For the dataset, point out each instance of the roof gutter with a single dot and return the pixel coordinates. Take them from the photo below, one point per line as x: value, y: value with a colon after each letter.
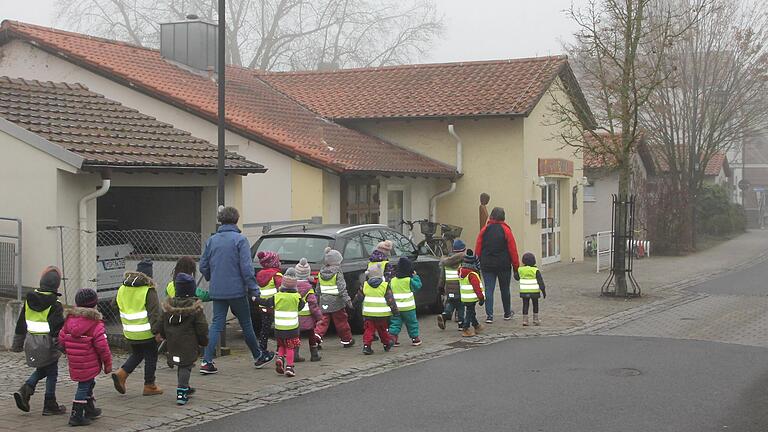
x: 459, y: 171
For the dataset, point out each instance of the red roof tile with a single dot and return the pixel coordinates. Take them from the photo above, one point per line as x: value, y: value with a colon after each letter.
x: 717, y: 162
x: 254, y: 108
x: 104, y: 132
x: 490, y: 88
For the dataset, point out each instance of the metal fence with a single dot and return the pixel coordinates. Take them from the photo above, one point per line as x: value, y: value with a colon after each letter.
x: 10, y: 257
x: 99, y: 260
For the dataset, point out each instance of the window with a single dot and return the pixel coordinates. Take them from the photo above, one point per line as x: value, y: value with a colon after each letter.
x: 353, y: 249
x: 370, y: 240
x: 401, y: 245
x: 360, y: 204
x: 293, y: 249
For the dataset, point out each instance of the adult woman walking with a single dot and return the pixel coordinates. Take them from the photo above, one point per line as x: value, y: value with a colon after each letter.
x: 226, y: 262
x: 497, y: 251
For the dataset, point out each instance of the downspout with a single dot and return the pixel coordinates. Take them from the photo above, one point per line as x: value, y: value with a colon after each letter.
x: 82, y: 212
x: 459, y: 168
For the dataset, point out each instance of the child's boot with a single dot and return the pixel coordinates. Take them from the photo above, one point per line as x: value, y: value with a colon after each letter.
x: 479, y: 328
x: 314, y: 354
x: 525, y: 320
x: 90, y: 409
x: 367, y: 350
x: 280, y: 365
x: 152, y: 390
x: 468, y: 332
x: 22, y: 397
x: 182, y: 396
x: 536, y: 321
x: 51, y: 407
x: 395, y: 341
x: 388, y: 346
x: 118, y: 379
x: 441, y: 322
x: 296, y: 357
x: 78, y: 418
x: 290, y: 372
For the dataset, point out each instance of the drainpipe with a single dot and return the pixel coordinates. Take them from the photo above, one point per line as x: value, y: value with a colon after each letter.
x: 83, y: 225
x: 459, y: 168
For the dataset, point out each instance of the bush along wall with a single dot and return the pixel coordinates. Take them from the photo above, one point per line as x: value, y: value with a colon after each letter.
x: 716, y: 215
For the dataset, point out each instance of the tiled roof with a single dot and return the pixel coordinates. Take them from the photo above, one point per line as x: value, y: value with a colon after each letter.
x: 104, y: 132
x: 596, y: 151
x: 254, y: 108
x: 717, y: 162
x: 490, y: 88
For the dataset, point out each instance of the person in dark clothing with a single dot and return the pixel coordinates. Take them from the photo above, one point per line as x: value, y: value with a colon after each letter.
x: 37, y: 333
x: 185, y: 330
x: 497, y: 251
x: 531, y: 287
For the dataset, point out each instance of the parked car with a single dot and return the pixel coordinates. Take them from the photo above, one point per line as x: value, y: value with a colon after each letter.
x: 355, y: 242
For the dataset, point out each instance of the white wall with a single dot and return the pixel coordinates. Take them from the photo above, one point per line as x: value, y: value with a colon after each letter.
x: 265, y: 196
x: 597, y: 214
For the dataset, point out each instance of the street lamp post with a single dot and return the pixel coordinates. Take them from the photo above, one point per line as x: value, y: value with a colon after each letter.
x: 221, y: 60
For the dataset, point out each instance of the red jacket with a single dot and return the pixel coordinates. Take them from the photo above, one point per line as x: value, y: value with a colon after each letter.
x: 262, y: 279
x: 84, y: 341
x: 495, y: 259
x: 474, y: 279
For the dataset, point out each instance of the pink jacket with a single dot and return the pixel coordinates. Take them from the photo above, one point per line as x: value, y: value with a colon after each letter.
x: 308, y: 322
x: 84, y: 341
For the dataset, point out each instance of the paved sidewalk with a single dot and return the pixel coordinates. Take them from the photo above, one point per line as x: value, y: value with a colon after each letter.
x: 573, y: 305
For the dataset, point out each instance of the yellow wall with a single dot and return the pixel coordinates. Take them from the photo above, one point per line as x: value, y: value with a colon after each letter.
x: 492, y: 164
x: 500, y: 158
x: 306, y: 191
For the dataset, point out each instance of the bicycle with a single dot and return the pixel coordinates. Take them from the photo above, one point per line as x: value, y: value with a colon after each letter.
x: 440, y: 246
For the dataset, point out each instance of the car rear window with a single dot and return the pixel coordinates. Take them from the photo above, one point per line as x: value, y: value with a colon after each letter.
x: 292, y: 249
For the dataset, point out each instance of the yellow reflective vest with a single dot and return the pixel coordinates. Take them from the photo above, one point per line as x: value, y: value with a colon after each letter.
x: 528, y: 282
x: 375, y: 301
x: 401, y: 290
x: 287, y: 310
x: 132, y: 302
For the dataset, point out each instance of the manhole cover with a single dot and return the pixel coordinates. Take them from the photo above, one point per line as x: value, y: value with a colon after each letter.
x: 462, y: 344
x: 624, y: 372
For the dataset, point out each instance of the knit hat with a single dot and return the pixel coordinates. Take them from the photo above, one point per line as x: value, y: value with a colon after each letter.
x: 470, y: 259
x: 289, y: 278
x: 268, y: 259
x: 86, y: 297
x: 529, y: 259
x: 145, y: 266
x: 303, y: 270
x: 332, y: 257
x: 185, y: 285
x: 459, y: 246
x: 385, y: 246
x: 404, y: 268
x: 375, y: 271
x: 50, y: 280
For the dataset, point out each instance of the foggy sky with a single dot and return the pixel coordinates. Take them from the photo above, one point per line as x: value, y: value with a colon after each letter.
x: 474, y: 29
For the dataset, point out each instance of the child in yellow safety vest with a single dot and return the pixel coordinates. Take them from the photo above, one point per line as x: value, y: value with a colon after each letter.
x: 405, y: 283
x: 142, y: 320
x: 531, y: 287
x: 286, y: 304
x: 187, y: 265
x: 472, y: 293
x: 269, y: 279
x: 381, y: 256
x: 378, y: 304
x: 37, y: 332
x: 311, y: 314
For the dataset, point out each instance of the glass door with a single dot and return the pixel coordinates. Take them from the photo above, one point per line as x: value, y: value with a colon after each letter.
x: 550, y: 223
x: 395, y: 209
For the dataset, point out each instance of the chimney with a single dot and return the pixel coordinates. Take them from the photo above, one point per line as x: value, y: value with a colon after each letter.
x: 192, y: 42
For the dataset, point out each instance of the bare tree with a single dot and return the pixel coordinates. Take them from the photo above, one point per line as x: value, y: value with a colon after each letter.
x: 714, y: 99
x: 619, y: 57
x: 277, y: 34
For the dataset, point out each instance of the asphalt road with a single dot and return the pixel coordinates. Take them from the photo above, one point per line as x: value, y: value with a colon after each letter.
x: 572, y: 383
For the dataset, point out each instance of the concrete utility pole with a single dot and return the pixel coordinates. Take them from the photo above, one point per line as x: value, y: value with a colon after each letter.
x: 222, y: 120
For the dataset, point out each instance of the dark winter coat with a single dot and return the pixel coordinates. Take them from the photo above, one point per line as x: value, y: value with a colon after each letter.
x: 41, y: 350
x: 154, y: 312
x: 496, y: 247
x: 226, y: 262
x: 330, y: 303
x: 185, y: 330
x: 84, y: 340
x: 454, y: 260
x: 307, y: 323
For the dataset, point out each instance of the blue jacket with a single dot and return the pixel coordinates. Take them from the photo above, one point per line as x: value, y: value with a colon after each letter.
x: 226, y: 263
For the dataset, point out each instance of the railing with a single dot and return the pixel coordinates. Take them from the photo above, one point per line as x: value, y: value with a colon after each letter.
x: 11, y: 260
x: 603, y: 248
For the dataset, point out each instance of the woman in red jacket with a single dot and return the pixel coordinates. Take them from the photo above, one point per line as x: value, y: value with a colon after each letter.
x: 497, y: 251
x: 84, y: 341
